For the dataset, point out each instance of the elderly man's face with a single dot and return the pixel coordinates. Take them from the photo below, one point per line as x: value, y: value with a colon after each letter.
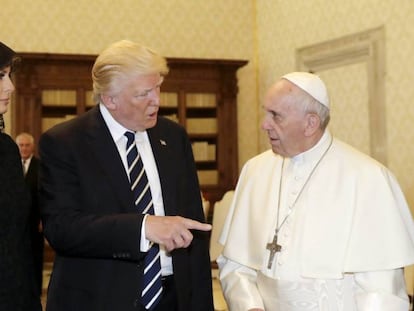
x: 136, y: 105
x: 26, y: 146
x: 285, y: 122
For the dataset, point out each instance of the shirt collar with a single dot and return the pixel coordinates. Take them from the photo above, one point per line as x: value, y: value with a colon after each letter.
x: 115, y: 128
x: 315, y: 152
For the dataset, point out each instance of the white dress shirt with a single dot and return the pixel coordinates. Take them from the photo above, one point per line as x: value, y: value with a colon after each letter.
x: 26, y: 164
x: 144, y: 147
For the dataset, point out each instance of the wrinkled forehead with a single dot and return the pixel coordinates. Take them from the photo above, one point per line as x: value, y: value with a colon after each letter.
x: 281, y: 92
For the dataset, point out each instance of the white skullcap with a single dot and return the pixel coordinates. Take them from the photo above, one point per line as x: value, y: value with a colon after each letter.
x: 311, y: 84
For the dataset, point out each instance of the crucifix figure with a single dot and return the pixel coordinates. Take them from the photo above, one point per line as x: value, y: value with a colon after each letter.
x: 273, y: 248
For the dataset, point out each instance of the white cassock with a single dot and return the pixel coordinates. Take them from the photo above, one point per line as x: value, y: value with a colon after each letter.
x: 344, y: 242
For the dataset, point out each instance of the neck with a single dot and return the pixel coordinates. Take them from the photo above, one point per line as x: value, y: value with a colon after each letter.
x: 310, y: 142
x: 314, y: 139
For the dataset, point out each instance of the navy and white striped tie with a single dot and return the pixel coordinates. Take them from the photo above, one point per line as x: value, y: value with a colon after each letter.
x: 151, y: 284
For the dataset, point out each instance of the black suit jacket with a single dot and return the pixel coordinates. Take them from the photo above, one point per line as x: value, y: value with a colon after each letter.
x: 90, y: 220
x: 17, y: 289
x: 31, y: 178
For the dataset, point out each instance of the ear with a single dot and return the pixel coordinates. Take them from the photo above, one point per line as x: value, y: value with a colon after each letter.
x: 313, y: 123
x: 109, y: 102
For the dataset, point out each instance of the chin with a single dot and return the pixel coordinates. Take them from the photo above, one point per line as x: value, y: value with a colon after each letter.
x: 277, y: 150
x: 151, y: 123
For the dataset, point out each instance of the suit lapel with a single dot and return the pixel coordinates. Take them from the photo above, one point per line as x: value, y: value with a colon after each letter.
x: 106, y: 153
x: 161, y: 149
x: 107, y: 156
x: 31, y: 170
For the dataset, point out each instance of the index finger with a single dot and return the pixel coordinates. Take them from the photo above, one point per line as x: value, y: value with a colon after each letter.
x: 196, y: 225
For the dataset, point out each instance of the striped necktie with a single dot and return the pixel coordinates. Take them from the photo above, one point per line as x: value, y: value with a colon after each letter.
x: 151, y: 284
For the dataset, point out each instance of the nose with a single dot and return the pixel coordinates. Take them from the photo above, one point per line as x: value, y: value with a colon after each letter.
x: 155, y: 97
x: 267, y: 123
x: 8, y: 85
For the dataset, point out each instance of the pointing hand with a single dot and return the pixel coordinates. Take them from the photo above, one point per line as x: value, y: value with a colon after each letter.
x: 172, y: 231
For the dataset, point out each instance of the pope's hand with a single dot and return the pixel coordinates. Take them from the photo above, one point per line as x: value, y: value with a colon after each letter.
x: 172, y: 231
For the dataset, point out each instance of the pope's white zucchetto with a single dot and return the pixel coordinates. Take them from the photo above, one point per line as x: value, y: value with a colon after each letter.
x: 311, y: 84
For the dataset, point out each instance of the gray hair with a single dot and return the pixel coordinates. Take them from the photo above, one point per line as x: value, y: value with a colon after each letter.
x: 311, y: 105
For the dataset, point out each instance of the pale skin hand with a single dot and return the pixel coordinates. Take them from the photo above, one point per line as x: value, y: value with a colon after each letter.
x: 172, y: 231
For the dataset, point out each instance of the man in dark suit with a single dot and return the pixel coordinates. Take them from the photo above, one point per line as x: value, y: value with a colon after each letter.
x: 30, y: 163
x: 89, y: 209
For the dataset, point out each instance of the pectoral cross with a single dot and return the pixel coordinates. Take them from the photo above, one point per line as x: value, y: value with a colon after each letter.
x: 273, y: 248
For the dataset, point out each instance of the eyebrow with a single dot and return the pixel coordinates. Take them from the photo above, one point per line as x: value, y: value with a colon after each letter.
x: 6, y: 70
x: 149, y: 89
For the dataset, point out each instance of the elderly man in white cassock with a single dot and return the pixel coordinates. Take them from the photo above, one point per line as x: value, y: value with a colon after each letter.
x: 314, y: 224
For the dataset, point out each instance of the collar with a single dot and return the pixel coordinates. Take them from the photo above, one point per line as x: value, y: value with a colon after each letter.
x: 313, y: 154
x: 116, y: 129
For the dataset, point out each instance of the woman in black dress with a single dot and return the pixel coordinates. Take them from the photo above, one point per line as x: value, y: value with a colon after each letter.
x: 17, y: 286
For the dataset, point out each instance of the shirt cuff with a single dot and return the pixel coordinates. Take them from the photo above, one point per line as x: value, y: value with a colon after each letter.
x: 145, y: 244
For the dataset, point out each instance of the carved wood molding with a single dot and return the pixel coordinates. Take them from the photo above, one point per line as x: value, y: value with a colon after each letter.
x: 366, y: 47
